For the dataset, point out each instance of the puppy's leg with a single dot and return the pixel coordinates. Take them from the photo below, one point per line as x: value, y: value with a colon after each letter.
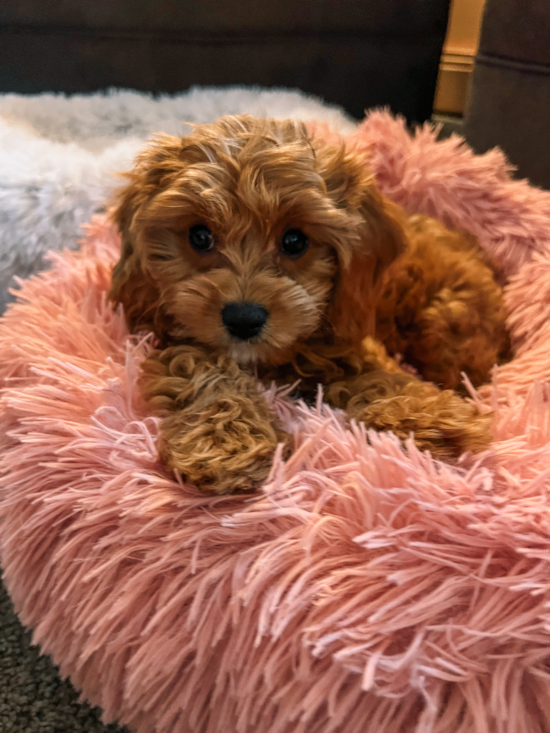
x: 217, y: 429
x: 388, y: 399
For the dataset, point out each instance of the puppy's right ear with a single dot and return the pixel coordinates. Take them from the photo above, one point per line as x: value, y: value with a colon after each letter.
x: 131, y: 283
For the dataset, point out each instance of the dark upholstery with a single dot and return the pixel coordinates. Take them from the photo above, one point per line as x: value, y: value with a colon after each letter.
x: 510, y: 102
x: 357, y: 53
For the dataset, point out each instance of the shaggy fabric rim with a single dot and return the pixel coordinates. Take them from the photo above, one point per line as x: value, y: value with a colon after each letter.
x: 364, y: 588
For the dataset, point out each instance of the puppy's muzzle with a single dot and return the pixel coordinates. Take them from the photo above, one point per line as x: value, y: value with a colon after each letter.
x: 244, y: 320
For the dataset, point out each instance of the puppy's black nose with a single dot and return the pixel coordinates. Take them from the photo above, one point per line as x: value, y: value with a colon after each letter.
x: 244, y: 320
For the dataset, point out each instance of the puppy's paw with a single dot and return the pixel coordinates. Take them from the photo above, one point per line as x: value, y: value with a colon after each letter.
x: 441, y: 422
x: 224, y: 449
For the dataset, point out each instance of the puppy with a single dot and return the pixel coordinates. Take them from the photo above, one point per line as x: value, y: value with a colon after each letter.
x: 255, y: 251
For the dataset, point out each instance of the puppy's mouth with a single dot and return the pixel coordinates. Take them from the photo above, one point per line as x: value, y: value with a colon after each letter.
x: 253, y: 321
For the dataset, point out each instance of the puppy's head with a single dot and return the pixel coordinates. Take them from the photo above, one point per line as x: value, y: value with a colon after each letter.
x: 249, y: 236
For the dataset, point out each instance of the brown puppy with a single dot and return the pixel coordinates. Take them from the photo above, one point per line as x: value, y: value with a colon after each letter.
x: 254, y: 250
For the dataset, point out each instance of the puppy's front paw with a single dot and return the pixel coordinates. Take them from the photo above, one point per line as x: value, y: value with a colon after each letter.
x: 441, y: 422
x: 224, y: 449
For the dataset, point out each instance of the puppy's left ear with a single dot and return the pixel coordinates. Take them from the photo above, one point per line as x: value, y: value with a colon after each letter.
x: 132, y: 285
x: 376, y: 237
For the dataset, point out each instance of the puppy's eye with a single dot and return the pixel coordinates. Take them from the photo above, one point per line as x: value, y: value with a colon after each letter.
x: 200, y: 238
x: 294, y: 243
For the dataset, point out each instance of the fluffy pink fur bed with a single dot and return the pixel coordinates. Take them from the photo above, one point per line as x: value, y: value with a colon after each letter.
x: 363, y: 590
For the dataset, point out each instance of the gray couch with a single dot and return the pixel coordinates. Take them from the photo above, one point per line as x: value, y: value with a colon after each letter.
x: 356, y: 53
x: 510, y: 102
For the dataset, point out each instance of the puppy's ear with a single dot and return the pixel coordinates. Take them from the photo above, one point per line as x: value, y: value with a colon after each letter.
x: 375, y: 239
x: 131, y: 283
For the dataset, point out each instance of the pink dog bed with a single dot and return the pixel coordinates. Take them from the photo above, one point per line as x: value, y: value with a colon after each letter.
x: 365, y: 589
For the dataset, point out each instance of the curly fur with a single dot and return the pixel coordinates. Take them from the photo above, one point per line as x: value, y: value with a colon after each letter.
x: 422, y: 291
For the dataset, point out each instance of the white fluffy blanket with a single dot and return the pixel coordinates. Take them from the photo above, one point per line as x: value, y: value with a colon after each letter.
x: 58, y: 155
